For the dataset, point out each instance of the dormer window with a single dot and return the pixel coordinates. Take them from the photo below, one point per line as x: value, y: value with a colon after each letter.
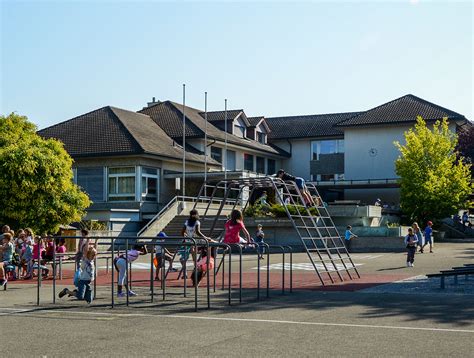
x: 240, y: 131
x: 262, y: 137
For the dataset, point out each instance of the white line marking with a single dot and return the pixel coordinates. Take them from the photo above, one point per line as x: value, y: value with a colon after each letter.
x: 256, y: 320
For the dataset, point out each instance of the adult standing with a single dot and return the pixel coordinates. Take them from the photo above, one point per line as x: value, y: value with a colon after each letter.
x: 429, y: 236
x: 465, y: 219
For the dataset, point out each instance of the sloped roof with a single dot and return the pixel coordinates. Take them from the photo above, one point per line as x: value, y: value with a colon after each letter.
x: 115, y: 131
x: 172, y: 124
x: 314, y: 125
x: 255, y: 121
x: 401, y: 110
x: 220, y: 115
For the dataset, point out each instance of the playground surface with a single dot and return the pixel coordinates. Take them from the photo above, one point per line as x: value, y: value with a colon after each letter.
x: 391, y: 311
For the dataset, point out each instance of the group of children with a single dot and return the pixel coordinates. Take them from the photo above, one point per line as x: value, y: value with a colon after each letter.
x: 25, y: 252
x: 415, y: 239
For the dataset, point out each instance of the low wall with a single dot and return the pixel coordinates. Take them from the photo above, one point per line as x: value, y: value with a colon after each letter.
x: 371, y: 239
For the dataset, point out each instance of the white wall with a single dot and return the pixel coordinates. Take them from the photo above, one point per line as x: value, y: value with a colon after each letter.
x: 298, y: 164
x: 358, y: 142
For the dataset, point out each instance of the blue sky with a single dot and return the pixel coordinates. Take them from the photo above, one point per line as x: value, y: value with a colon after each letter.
x: 64, y: 58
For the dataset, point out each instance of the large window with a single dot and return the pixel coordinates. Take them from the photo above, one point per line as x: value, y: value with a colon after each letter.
x: 149, y: 184
x: 271, y: 166
x: 230, y: 160
x: 326, y: 147
x: 91, y: 180
x: 248, y: 162
x: 260, y: 165
x: 216, y: 154
x: 122, y: 184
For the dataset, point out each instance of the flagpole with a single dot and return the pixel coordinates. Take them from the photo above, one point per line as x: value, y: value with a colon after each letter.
x: 184, y: 141
x: 224, y: 161
x: 205, y: 138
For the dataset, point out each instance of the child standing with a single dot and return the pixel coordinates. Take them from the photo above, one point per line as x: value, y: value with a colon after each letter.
x: 27, y: 260
x: 7, y: 249
x: 162, y: 252
x: 348, y: 237
x: 86, y: 276
x: 419, y: 236
x: 410, y: 242
x: 259, y: 236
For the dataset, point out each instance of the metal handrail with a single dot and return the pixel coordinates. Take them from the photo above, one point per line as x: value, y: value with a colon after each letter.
x: 177, y: 198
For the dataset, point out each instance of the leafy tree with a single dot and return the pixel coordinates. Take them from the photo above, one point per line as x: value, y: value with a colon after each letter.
x: 36, y: 187
x: 433, y: 182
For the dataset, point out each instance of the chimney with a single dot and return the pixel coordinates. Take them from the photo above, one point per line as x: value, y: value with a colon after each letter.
x: 153, y: 102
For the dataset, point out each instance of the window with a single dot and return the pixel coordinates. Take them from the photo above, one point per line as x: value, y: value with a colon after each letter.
x: 91, y: 180
x: 327, y: 177
x: 262, y: 137
x: 122, y: 184
x: 149, y: 184
x: 260, y: 165
x: 239, y: 131
x: 326, y: 147
x: 271, y: 166
x: 216, y: 154
x: 230, y: 160
x: 248, y: 162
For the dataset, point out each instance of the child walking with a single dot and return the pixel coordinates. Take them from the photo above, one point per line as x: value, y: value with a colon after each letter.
x: 348, y: 237
x: 86, y: 276
x: 410, y: 242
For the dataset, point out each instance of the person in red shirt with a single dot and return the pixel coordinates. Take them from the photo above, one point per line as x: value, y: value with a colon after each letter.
x: 233, y: 228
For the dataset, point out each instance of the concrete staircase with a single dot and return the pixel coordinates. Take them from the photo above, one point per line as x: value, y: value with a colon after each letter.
x: 175, y: 226
x: 179, y: 207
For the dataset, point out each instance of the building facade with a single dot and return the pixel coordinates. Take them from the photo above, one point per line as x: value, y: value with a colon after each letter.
x: 129, y: 162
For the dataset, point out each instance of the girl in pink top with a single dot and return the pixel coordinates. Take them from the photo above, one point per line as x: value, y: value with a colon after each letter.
x: 233, y: 228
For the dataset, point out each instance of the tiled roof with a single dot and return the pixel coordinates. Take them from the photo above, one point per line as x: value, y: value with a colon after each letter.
x: 220, y: 115
x: 112, y: 131
x: 315, y: 125
x: 195, y: 123
x: 402, y: 110
x: 254, y: 121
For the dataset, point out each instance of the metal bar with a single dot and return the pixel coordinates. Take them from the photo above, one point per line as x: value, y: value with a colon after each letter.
x: 163, y: 274
x: 113, y: 270
x: 195, y: 278
x: 54, y: 271
x: 126, y: 270
x: 152, y: 274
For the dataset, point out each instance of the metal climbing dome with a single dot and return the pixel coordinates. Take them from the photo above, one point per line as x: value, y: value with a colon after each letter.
x: 314, y: 226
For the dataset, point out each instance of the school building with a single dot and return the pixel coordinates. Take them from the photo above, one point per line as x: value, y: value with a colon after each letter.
x: 128, y: 162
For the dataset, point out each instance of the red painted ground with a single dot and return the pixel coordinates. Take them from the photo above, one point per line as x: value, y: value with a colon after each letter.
x: 301, y: 280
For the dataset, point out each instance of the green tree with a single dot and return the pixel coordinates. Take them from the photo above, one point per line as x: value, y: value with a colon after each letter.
x: 434, y: 182
x: 36, y: 187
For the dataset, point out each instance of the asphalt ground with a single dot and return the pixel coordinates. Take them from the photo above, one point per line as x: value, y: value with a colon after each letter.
x: 311, y: 321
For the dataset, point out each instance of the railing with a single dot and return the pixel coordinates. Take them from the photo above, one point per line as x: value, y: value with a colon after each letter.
x: 356, y: 181
x: 180, y: 198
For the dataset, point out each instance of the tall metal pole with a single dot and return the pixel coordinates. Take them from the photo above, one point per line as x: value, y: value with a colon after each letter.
x: 184, y: 142
x: 224, y: 164
x: 205, y: 139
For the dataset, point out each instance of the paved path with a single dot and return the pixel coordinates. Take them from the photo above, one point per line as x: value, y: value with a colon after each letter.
x: 310, y: 322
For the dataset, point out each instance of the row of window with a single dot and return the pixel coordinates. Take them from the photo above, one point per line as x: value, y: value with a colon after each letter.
x: 121, y: 183
x: 319, y: 147
x: 216, y: 154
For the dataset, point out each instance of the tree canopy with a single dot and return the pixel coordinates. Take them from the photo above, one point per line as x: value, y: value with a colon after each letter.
x: 434, y: 181
x: 36, y: 186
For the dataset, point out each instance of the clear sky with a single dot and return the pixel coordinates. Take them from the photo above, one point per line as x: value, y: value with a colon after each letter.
x: 65, y: 58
